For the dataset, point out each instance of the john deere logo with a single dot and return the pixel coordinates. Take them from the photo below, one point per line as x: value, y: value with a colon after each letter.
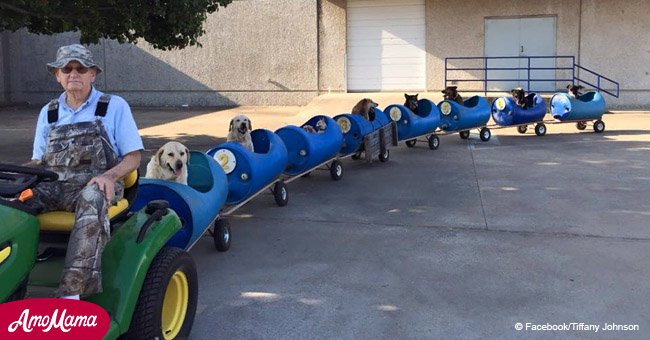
x: 395, y: 114
x: 226, y: 159
x: 445, y: 108
x: 501, y: 104
x: 344, y: 124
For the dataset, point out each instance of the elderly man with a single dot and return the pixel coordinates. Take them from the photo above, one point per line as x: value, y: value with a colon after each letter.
x: 91, y: 140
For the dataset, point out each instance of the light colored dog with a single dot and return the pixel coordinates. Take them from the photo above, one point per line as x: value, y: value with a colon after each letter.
x: 240, y: 132
x: 169, y: 163
x: 321, y: 125
x: 366, y: 108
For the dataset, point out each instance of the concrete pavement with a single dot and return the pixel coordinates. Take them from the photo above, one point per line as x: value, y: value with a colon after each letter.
x: 461, y: 242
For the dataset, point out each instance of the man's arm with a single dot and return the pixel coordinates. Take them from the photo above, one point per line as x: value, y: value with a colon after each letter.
x: 106, y: 181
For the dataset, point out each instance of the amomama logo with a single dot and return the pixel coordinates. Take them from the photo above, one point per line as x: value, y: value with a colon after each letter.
x: 52, y: 319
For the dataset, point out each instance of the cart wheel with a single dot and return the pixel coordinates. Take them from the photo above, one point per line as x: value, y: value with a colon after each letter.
x: 434, y: 142
x: 581, y: 125
x: 280, y: 193
x: 222, y: 234
x: 485, y: 134
x: 599, y: 126
x: 540, y: 129
x: 464, y: 134
x: 522, y: 128
x: 167, y: 303
x: 411, y: 143
x: 384, y: 156
x: 336, y: 170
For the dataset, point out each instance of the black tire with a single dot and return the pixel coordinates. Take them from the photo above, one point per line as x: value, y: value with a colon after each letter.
x: 599, y: 126
x: 581, y: 125
x: 464, y: 134
x: 522, y: 129
x: 222, y: 235
x: 147, y: 321
x: 384, y: 156
x: 336, y: 170
x: 434, y: 142
x: 485, y: 134
x: 411, y: 143
x: 540, y: 129
x: 281, y: 193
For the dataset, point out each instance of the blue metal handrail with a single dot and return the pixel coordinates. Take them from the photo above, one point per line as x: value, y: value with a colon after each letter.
x: 528, y: 68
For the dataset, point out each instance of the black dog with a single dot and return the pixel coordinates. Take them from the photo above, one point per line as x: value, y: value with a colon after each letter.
x: 519, y: 95
x: 411, y: 102
x: 574, y: 90
x: 450, y: 93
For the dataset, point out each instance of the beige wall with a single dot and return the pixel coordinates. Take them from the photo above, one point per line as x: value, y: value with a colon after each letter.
x: 459, y: 29
x: 615, y: 41
x: 284, y: 52
x: 332, y: 37
x: 253, y: 53
x: 4, y: 81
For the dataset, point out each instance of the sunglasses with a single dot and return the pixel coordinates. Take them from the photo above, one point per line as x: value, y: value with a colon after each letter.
x: 80, y: 69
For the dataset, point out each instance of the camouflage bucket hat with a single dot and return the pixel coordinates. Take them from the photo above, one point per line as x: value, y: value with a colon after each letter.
x: 76, y: 52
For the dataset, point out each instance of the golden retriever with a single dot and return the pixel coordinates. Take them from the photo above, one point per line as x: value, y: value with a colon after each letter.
x: 169, y: 163
x: 240, y: 132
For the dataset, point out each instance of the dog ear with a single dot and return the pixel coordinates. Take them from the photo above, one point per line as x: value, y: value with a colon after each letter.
x: 416, y: 96
x: 406, y: 96
x: 159, y: 154
x: 250, y: 125
x: 187, y: 153
x: 232, y: 125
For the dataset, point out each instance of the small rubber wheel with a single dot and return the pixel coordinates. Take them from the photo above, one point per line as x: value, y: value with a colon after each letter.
x: 222, y: 234
x: 411, y: 143
x: 485, y: 134
x: 581, y: 125
x: 280, y: 193
x: 464, y: 134
x: 599, y: 126
x: 540, y: 129
x: 336, y: 170
x: 522, y: 128
x: 167, y: 302
x: 434, y: 142
x: 384, y: 156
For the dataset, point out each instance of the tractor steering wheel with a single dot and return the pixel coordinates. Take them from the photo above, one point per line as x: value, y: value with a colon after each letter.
x: 15, y: 178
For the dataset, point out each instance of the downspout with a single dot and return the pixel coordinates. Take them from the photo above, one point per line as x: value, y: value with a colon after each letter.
x: 319, y: 4
x: 579, y: 36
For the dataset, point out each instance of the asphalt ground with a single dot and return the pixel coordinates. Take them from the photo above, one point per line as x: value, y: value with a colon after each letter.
x: 462, y: 242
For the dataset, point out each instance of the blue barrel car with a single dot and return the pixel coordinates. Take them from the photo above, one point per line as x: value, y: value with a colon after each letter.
x: 506, y: 112
x: 197, y: 204
x: 312, y: 145
x: 249, y: 173
x: 411, y: 125
x: 371, y: 137
x: 474, y: 113
x: 587, y: 107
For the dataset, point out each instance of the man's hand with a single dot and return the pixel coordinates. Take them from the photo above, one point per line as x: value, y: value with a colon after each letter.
x: 105, y: 184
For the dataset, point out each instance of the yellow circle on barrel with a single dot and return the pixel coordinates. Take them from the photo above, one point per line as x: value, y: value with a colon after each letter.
x: 501, y: 104
x: 226, y: 159
x: 344, y: 124
x: 445, y: 108
x: 395, y: 113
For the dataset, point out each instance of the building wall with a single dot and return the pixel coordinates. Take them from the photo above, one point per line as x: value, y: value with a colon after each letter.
x: 332, y: 35
x: 614, y: 42
x: 253, y: 53
x: 285, y: 52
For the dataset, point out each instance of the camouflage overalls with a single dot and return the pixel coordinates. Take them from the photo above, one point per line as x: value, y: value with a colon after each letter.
x: 78, y: 152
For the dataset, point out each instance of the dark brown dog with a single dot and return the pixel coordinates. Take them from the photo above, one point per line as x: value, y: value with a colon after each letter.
x: 451, y: 93
x: 411, y: 102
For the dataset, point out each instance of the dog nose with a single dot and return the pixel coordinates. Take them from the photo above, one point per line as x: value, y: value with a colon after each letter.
x: 179, y: 164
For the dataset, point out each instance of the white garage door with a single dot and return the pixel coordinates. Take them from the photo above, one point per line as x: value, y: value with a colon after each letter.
x: 386, y: 45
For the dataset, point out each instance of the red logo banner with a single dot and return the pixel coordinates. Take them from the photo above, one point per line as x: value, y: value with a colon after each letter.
x: 53, y: 319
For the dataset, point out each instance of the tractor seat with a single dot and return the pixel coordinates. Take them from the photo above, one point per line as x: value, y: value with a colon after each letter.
x: 63, y: 221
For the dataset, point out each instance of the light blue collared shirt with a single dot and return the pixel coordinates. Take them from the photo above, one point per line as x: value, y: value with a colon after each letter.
x: 118, y: 123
